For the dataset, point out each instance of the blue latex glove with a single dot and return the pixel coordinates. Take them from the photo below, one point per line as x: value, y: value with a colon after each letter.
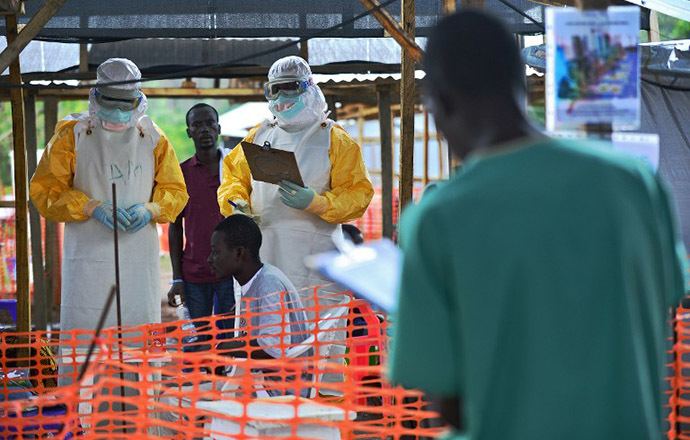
x: 140, y: 217
x: 104, y: 214
x: 294, y: 195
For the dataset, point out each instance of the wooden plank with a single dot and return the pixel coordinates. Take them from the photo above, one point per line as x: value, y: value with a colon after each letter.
x: 52, y: 272
x: 34, y: 217
x: 407, y: 107
x: 20, y: 185
x: 386, y: 130
x: 32, y: 28
x: 400, y: 34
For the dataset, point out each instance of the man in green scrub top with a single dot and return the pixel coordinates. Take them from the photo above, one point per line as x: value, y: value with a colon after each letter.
x: 537, y: 283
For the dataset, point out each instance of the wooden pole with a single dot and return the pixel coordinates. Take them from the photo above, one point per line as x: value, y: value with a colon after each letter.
x: 83, y: 58
x: 654, y: 35
x: 52, y: 253
x: 20, y: 185
x: 386, y: 130
x: 426, y: 147
x: 407, y: 107
x: 330, y: 100
x: 32, y: 28
x: 448, y: 7
x: 439, y: 139
x: 35, y: 218
x: 304, y: 49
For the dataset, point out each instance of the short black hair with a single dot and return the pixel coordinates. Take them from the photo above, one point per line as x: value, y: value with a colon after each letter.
x: 197, y: 106
x: 473, y: 54
x: 241, y: 230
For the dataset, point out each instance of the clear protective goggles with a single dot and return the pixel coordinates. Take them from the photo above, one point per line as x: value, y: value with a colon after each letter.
x: 289, y: 87
x: 112, y: 103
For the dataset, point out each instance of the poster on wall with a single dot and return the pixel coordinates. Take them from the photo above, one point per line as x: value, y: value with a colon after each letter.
x: 592, y: 68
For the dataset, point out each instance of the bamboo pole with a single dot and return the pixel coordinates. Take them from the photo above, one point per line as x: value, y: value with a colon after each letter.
x: 407, y: 105
x: 426, y: 147
x: 386, y: 129
x: 20, y: 185
x: 35, y: 219
x: 52, y: 252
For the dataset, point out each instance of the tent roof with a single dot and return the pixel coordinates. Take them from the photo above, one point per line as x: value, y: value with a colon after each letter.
x: 99, y: 21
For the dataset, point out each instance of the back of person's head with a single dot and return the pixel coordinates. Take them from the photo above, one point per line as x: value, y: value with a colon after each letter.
x: 471, y: 53
x: 240, y: 230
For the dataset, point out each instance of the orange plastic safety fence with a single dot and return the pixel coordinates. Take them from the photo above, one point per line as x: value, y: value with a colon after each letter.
x: 219, y: 378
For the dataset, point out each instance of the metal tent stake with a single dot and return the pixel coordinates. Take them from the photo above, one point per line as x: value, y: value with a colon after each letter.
x: 119, y: 301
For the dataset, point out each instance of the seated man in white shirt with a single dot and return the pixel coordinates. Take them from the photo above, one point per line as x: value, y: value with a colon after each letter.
x: 235, y: 245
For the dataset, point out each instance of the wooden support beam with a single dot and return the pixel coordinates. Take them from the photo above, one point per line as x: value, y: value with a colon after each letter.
x: 34, y: 217
x: 229, y: 72
x: 592, y: 4
x: 473, y: 4
x: 331, y: 101
x: 407, y: 107
x: 448, y: 7
x: 386, y: 130
x: 32, y: 28
x: 399, y: 33
x: 654, y: 35
x: 304, y: 49
x: 426, y: 147
x: 52, y: 272
x: 20, y: 184
x: 83, y: 58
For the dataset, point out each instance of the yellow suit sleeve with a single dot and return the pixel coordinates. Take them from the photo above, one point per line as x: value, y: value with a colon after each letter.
x: 169, y: 190
x: 351, y: 189
x: 237, y: 178
x: 51, y: 185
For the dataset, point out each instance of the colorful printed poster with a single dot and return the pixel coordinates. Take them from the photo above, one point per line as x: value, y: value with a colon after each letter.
x: 592, y: 68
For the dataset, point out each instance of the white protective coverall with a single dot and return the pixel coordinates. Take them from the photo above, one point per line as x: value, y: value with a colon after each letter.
x: 80, y: 163
x: 330, y: 163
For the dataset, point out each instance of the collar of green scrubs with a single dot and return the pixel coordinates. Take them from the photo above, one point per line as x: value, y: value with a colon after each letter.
x: 503, y: 149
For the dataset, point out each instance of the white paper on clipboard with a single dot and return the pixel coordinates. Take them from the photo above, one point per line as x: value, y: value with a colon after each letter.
x: 370, y: 270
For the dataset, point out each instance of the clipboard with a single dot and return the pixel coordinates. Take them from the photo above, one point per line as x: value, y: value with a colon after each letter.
x: 272, y: 165
x: 370, y: 271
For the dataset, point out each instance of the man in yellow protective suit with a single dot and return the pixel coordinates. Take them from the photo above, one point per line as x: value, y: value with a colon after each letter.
x: 112, y: 142
x: 296, y: 221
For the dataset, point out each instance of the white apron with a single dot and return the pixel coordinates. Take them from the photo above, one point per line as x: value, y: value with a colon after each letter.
x: 88, y: 269
x: 290, y: 234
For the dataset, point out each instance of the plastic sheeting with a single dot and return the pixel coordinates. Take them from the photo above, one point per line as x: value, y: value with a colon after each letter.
x: 667, y: 113
x: 99, y: 21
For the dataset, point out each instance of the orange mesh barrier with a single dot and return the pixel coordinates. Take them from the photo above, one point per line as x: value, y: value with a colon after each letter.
x: 172, y: 381
x: 371, y: 223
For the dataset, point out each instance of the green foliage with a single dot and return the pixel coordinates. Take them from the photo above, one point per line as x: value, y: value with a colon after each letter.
x: 671, y: 28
